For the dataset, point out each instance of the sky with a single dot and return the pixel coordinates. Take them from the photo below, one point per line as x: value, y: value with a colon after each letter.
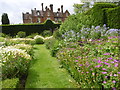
x: 15, y: 8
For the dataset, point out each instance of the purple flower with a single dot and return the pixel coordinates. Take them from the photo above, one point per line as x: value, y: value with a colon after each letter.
x: 104, y: 69
x: 104, y: 81
x: 97, y: 27
x: 98, y: 66
x: 106, y: 54
x: 104, y: 72
x: 106, y: 76
x: 116, y: 65
x: 80, y: 65
x: 112, y: 62
x: 106, y: 60
x: 91, y: 69
x: 76, y: 60
x: 106, y: 63
x: 99, y: 61
x: 115, y: 61
x: 114, y: 81
x: 118, y: 72
x: 110, y: 58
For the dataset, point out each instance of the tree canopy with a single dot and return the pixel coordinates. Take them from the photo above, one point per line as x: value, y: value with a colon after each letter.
x: 5, y: 19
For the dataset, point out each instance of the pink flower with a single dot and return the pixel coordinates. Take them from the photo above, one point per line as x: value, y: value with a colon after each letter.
x: 104, y: 81
x: 106, y: 63
x: 93, y: 74
x: 106, y: 54
x: 115, y: 61
x: 104, y: 72
x: 116, y: 65
x: 76, y: 60
x: 80, y: 65
x: 110, y: 58
x: 114, y: 81
x: 87, y: 72
x: 98, y: 66
x: 104, y: 69
x: 118, y: 72
x: 115, y: 75
x: 99, y: 61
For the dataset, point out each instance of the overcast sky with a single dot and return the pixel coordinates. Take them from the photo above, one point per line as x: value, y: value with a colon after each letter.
x: 14, y: 8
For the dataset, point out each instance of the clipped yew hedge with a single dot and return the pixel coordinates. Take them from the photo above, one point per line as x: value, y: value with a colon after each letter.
x: 29, y: 28
x: 113, y: 17
x: 98, y: 13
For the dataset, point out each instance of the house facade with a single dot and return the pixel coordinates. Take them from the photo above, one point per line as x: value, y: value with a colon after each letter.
x: 39, y: 16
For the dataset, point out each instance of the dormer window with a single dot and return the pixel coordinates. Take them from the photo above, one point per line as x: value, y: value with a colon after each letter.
x: 38, y: 13
x: 66, y: 14
x: 38, y: 20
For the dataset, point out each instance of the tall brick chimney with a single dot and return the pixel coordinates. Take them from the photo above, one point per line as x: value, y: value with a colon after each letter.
x: 42, y: 7
x: 51, y: 7
x: 62, y: 8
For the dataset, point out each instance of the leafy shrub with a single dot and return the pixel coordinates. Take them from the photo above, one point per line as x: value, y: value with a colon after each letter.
x: 32, y: 35
x: 15, y: 62
x: 52, y: 44
x: 2, y: 39
x: 10, y: 83
x: 57, y: 35
x: 46, y: 33
x: 39, y: 39
x: 21, y: 34
x: 93, y: 65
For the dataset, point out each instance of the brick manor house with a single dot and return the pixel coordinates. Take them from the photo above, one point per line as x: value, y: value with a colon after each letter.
x: 39, y: 16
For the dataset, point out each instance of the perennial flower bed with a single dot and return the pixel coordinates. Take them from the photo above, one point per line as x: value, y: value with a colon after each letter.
x: 93, y: 64
x: 14, y: 60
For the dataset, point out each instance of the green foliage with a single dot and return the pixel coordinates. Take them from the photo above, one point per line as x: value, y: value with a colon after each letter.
x: 39, y: 39
x: 2, y: 39
x: 21, y: 34
x: 15, y: 61
x: 32, y: 35
x: 57, y: 35
x: 46, y: 33
x: 113, y: 17
x: 78, y: 8
x: 10, y: 83
x: 5, y: 19
x: 91, y: 64
x: 28, y: 28
x: 98, y: 13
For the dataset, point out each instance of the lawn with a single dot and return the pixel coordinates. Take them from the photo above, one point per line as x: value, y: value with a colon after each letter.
x: 45, y: 71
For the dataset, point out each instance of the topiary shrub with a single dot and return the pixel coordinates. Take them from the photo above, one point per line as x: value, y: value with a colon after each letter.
x: 21, y: 34
x: 39, y: 39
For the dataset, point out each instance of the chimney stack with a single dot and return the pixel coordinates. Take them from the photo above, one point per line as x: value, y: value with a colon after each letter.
x: 46, y: 8
x: 58, y: 9
x: 42, y: 7
x: 51, y: 7
x: 62, y: 8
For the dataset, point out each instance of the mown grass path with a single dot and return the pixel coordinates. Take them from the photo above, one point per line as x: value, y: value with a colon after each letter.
x: 44, y: 72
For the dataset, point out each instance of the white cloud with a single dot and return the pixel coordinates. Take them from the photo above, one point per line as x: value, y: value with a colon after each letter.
x: 14, y: 8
